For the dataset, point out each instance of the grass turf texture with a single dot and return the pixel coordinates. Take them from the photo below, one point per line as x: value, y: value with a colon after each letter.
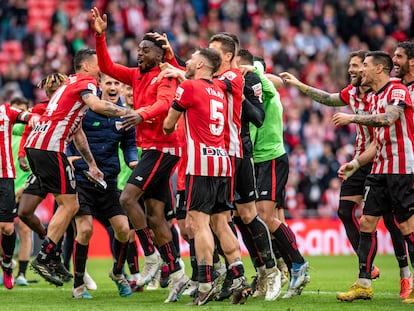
x: 329, y: 275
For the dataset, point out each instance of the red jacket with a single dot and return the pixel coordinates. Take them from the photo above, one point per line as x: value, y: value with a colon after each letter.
x: 152, y: 99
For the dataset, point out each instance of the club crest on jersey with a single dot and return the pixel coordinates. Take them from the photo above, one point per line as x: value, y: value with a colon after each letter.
x: 155, y: 79
x: 398, y: 94
x: 178, y: 93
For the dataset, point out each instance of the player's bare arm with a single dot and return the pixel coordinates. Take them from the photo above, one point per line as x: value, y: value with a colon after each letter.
x: 349, y: 168
x: 323, y: 97
x: 81, y: 143
x: 171, y: 120
x: 392, y: 114
x: 104, y: 107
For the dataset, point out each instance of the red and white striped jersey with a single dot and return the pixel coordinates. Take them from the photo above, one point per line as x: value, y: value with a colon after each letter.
x: 360, y: 106
x: 205, y: 115
x: 8, y: 117
x: 395, y: 144
x: 63, y: 115
x: 231, y: 81
x: 410, y: 87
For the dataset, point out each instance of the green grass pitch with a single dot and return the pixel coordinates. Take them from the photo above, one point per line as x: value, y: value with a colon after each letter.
x: 329, y: 275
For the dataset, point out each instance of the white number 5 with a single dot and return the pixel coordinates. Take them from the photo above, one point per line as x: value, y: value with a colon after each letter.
x: 216, y: 114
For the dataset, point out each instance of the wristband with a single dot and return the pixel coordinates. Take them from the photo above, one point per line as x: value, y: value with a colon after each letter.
x: 355, y: 167
x: 355, y: 163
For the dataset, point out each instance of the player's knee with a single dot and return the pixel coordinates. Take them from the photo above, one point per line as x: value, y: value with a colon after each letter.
x: 346, y: 210
x: 24, y: 215
x: 84, y: 234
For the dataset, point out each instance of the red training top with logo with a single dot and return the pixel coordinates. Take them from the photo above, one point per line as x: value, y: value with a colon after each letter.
x: 231, y: 81
x: 395, y: 144
x: 359, y: 106
x: 8, y: 117
x: 152, y: 100
x: 205, y: 117
x: 63, y: 115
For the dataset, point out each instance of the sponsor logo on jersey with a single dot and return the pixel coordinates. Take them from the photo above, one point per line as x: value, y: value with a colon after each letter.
x: 179, y: 93
x: 398, y: 94
x: 210, y: 151
x: 92, y: 87
x: 230, y: 75
x: 41, y: 127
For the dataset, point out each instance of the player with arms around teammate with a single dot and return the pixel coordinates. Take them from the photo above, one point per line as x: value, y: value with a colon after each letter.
x: 388, y: 187
x: 357, y: 97
x: 160, y: 153
x: 105, y: 136
x: 208, y: 166
x: 47, y: 143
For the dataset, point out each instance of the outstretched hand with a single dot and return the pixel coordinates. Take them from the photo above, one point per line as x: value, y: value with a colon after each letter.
x: 289, y: 78
x: 99, y: 24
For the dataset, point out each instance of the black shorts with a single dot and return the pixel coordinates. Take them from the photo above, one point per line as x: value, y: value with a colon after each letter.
x: 271, y: 179
x: 152, y: 174
x: 385, y: 193
x: 354, y: 185
x: 102, y: 204
x: 33, y: 187
x: 8, y: 209
x: 244, y: 180
x: 169, y: 209
x: 180, y: 210
x: 207, y: 194
x: 53, y: 171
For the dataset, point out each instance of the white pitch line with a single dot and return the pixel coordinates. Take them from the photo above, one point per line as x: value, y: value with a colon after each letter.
x: 304, y: 293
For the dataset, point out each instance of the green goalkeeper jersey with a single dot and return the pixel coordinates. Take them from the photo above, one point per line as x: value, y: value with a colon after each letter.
x: 268, y: 139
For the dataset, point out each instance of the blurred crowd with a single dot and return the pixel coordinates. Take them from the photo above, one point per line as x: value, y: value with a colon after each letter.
x: 311, y: 39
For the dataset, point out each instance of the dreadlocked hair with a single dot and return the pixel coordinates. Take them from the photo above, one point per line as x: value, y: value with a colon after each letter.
x: 52, y: 82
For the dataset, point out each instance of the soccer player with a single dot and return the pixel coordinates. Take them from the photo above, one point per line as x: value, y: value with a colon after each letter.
x: 46, y: 145
x: 105, y: 136
x: 237, y: 139
x: 24, y: 232
x: 208, y: 165
x: 388, y: 187
x: 8, y: 117
x: 357, y: 98
x: 32, y: 195
x: 272, y: 169
x: 150, y: 178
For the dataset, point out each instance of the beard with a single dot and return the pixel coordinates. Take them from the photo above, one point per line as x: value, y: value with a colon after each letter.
x: 189, y: 74
x: 404, y: 69
x: 146, y: 67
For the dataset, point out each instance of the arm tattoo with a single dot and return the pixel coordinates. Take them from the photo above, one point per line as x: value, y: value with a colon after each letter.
x: 113, y: 110
x: 323, y: 97
x: 379, y: 120
x: 83, y: 148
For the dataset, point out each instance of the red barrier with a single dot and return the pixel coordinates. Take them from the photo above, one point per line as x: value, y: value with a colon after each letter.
x: 314, y: 237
